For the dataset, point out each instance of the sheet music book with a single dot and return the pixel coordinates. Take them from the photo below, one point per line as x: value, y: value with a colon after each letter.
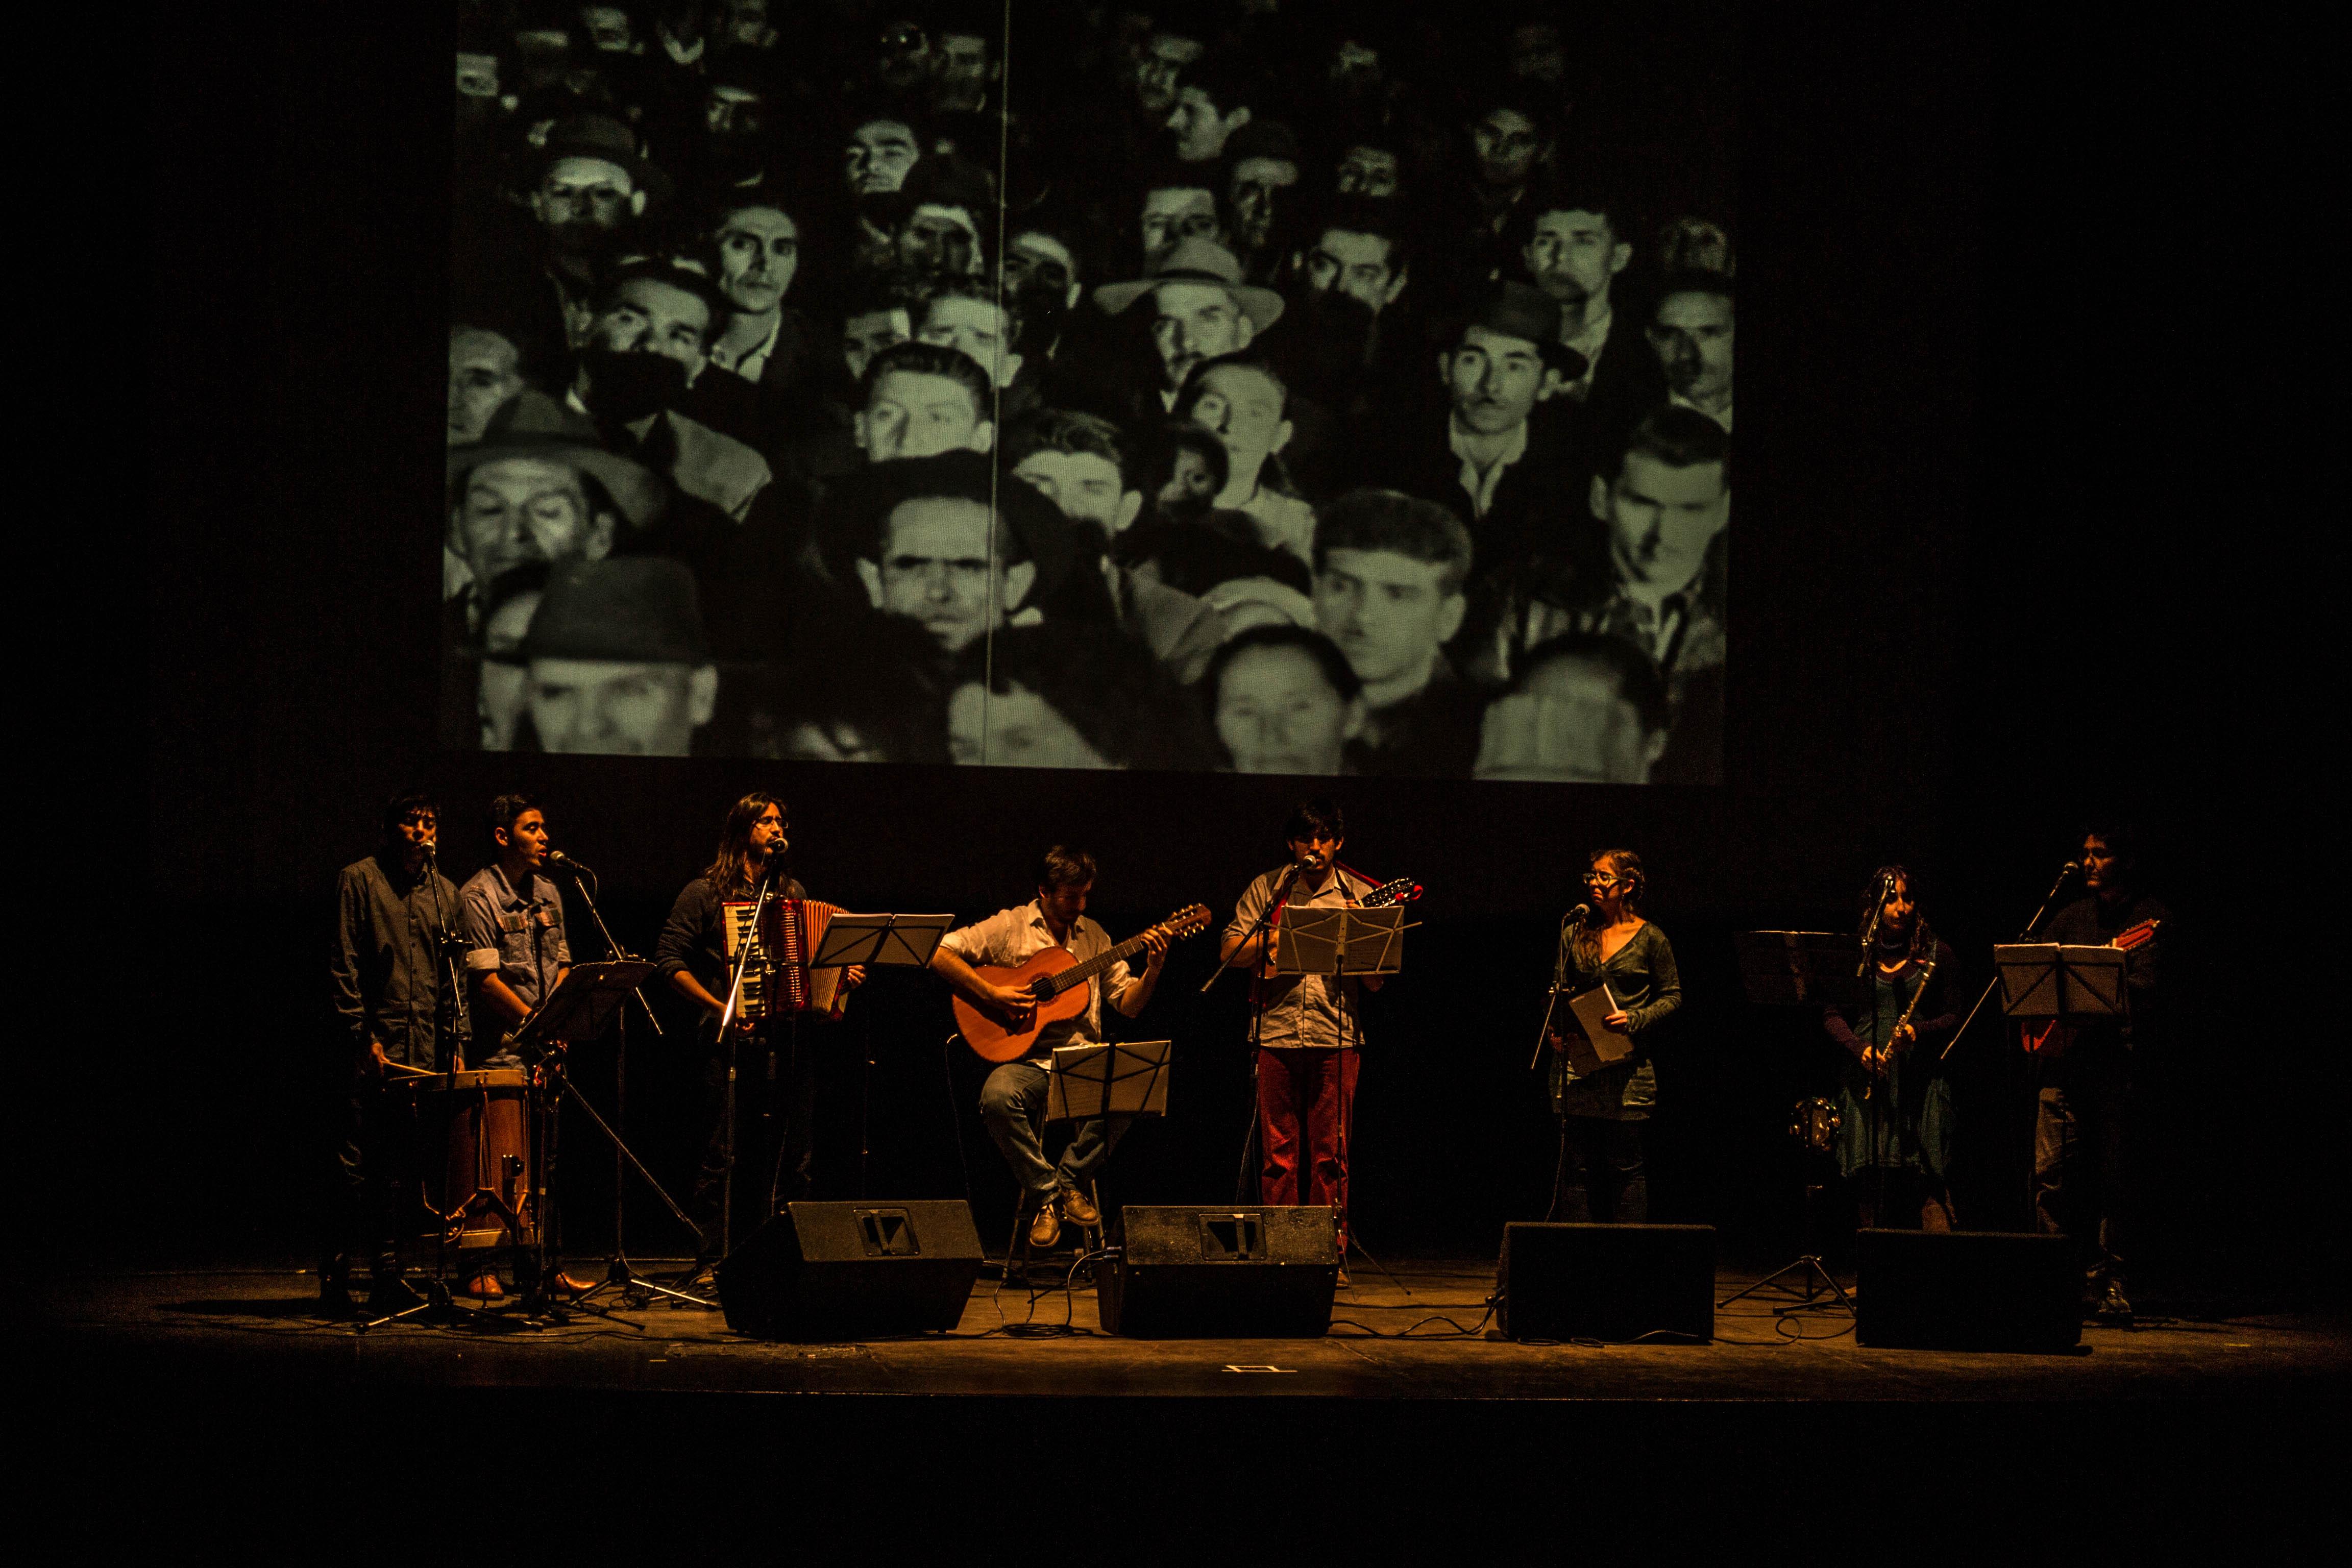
x: 1591, y: 1043
x: 1138, y: 1080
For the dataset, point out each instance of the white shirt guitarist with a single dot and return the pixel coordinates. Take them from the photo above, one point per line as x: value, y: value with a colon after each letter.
x: 1012, y: 1099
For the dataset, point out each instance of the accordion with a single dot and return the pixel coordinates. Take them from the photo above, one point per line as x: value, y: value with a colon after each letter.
x: 779, y: 980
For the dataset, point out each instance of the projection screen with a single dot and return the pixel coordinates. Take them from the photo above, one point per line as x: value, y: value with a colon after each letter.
x: 1262, y: 387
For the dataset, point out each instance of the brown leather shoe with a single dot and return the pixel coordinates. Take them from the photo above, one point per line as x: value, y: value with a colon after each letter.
x: 1047, y: 1228
x: 1080, y: 1209
x: 485, y: 1285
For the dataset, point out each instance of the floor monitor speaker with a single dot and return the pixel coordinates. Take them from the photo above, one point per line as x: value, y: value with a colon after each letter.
x: 1967, y: 1290
x: 1606, y: 1281
x: 838, y: 1271
x: 1188, y: 1272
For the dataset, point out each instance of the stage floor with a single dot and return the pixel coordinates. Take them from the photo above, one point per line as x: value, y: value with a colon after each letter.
x: 1421, y: 1337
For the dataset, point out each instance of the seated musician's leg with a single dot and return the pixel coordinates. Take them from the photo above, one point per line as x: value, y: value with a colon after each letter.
x: 1009, y: 1103
x: 1088, y: 1152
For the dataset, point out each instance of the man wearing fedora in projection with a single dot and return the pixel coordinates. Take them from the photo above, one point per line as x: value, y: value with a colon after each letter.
x: 588, y: 191
x: 1200, y: 309
x: 615, y: 661
x: 537, y: 490
x: 1496, y: 456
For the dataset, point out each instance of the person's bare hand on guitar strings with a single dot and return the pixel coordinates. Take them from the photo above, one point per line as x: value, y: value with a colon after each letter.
x: 1015, y: 1002
x: 1155, y: 943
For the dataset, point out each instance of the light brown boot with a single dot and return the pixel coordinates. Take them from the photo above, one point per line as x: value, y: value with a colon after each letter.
x: 1047, y: 1228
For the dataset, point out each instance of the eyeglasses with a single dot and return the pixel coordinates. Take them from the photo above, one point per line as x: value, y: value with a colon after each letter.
x: 1604, y: 880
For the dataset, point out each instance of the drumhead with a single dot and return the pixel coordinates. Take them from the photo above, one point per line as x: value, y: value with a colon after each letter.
x: 471, y: 1082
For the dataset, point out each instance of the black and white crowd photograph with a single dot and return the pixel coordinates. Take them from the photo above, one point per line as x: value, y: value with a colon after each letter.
x: 877, y: 803
x: 1264, y: 388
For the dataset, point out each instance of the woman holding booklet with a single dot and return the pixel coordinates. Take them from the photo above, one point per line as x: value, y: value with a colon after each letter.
x: 1619, y: 970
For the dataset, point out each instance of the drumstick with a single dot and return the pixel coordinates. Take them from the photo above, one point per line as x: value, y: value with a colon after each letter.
x: 404, y: 1067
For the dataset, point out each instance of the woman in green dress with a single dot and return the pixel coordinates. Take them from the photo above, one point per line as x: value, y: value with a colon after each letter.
x: 1895, y: 1100
x: 1602, y: 1175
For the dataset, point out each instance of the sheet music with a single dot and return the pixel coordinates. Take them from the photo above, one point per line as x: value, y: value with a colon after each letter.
x: 1608, y: 1045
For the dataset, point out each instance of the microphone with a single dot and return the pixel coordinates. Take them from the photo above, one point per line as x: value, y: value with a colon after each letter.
x: 1577, y: 916
x: 557, y: 857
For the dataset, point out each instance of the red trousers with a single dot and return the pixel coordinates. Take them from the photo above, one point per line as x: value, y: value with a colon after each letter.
x: 1306, y: 1108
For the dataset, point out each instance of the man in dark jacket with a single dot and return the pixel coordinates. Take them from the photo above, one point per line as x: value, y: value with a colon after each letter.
x: 393, y: 914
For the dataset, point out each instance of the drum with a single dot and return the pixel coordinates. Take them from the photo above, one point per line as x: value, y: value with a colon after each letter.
x: 480, y: 1182
x: 1815, y: 1125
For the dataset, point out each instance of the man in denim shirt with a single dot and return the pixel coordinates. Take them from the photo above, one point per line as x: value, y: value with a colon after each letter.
x: 513, y: 922
x: 513, y: 919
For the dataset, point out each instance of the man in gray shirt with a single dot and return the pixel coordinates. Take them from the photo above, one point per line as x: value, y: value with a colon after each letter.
x: 394, y: 910
x: 1014, y: 1097
x: 1307, y: 1027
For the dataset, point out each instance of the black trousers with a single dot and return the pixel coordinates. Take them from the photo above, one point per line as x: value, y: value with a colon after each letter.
x: 1602, y: 1178
x: 2082, y: 1120
x: 372, y: 1201
x: 773, y: 1147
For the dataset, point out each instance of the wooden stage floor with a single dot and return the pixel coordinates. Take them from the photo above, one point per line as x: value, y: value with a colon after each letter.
x: 1422, y: 1337
x: 223, y: 1391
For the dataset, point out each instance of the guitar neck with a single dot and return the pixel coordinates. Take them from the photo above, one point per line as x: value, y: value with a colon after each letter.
x: 1078, y: 974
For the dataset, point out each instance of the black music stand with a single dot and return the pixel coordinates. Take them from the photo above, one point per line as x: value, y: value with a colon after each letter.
x: 1344, y: 942
x: 880, y: 941
x: 580, y: 1008
x: 889, y: 941
x: 590, y: 998
x: 1799, y: 969
x: 2052, y: 979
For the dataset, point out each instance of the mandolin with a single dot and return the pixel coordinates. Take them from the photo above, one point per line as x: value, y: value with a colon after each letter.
x: 1058, y: 981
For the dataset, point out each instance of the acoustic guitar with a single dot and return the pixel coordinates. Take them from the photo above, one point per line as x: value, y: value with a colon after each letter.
x: 1058, y: 981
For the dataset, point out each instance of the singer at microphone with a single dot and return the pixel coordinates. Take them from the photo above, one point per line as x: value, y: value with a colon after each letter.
x: 693, y: 954
x: 1305, y: 1028
x: 511, y: 915
x: 2085, y: 1068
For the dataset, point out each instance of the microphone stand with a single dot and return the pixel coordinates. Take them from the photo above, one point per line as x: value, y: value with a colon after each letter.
x: 727, y: 1037
x: 618, y: 1274
x: 1986, y: 995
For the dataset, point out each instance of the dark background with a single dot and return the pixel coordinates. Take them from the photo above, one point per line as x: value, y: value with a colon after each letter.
x: 1989, y: 414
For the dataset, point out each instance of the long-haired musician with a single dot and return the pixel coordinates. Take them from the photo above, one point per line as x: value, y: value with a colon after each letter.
x: 1895, y: 1101
x: 1602, y: 1176
x: 1012, y: 1100
x: 774, y: 1073
x: 394, y: 910
x: 1307, y: 1028
x: 2081, y: 1114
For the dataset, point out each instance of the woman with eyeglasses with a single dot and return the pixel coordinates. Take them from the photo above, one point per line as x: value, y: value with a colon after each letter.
x: 1602, y: 1176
